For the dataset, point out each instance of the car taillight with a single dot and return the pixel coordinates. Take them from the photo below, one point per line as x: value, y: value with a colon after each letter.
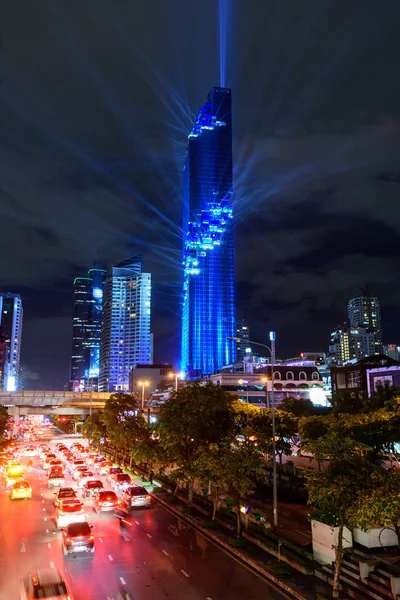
x: 100, y: 503
x: 118, y: 501
x: 91, y: 538
x: 68, y: 540
x: 148, y: 497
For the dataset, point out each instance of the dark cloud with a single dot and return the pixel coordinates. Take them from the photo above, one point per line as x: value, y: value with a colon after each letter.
x: 96, y: 99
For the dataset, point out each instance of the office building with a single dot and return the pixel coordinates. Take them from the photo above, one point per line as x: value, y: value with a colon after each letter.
x: 208, y: 312
x: 86, y: 328
x: 11, y: 315
x: 364, y: 311
x: 152, y: 376
x: 393, y: 351
x: 242, y: 348
x: 125, y: 335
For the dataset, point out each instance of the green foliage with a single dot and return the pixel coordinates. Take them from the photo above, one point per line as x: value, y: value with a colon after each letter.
x: 238, y: 542
x: 298, y: 407
x: 380, y: 504
x: 122, y: 421
x: 94, y: 428
x: 195, y: 419
x: 279, y: 569
x: 4, y: 418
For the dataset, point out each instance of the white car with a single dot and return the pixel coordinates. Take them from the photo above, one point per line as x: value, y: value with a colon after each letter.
x: 81, y: 469
x: 87, y: 476
x: 30, y: 451
x: 70, y: 510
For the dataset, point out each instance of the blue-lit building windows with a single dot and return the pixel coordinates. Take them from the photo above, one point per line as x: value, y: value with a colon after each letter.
x: 208, y: 315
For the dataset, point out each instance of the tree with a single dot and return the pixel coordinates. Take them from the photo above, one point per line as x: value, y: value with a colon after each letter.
x: 194, y: 418
x: 335, y: 491
x: 233, y: 468
x: 299, y: 407
x: 380, y: 505
x: 121, y: 419
x: 94, y: 428
x: 148, y: 449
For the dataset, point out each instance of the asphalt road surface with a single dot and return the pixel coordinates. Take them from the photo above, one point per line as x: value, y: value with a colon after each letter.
x: 158, y: 557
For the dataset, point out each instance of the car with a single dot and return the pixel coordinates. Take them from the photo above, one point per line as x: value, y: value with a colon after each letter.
x: 91, y: 487
x: 56, y: 479
x: 78, y: 470
x: 121, y: 481
x: 55, y: 462
x: 69, y: 510
x: 62, y: 494
x: 10, y: 481
x: 30, y: 451
x: 77, y: 537
x: 84, y: 477
x: 13, y: 470
x: 46, y: 461
x: 104, y: 501
x: 77, y: 462
x: 113, y: 471
x: 45, y: 583
x: 21, y: 489
x: 103, y: 467
x: 135, y: 496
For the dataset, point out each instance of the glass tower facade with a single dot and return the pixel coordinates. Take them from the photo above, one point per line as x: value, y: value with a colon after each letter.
x: 86, y: 328
x: 125, y: 335
x: 11, y: 316
x: 208, y: 316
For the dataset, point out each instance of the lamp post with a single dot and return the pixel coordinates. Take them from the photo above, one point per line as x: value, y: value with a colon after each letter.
x: 271, y: 350
x: 177, y: 377
x: 143, y: 384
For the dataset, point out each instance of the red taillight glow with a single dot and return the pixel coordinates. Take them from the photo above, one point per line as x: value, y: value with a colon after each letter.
x: 148, y: 497
x: 68, y: 540
x: 91, y: 538
x: 118, y: 501
x: 100, y: 503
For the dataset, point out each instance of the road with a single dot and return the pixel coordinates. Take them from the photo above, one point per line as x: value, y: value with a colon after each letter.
x: 158, y: 558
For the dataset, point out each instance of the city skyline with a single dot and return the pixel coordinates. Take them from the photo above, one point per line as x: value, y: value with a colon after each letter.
x: 92, y: 152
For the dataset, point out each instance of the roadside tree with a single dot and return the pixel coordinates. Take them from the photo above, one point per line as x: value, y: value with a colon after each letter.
x: 195, y: 417
x: 336, y: 490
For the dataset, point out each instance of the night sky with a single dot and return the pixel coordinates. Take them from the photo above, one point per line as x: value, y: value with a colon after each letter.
x: 96, y: 100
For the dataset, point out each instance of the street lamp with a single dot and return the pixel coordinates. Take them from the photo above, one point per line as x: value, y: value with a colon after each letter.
x: 271, y: 350
x: 177, y: 377
x: 143, y: 384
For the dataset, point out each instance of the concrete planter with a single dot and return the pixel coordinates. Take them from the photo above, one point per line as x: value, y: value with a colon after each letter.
x: 376, y: 537
x: 324, y: 540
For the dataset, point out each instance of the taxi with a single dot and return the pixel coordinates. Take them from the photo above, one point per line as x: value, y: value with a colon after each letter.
x: 21, y: 489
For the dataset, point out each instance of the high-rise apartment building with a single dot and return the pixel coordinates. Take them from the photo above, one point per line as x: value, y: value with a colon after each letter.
x: 11, y: 315
x: 339, y: 346
x: 242, y: 348
x: 364, y: 311
x: 208, y: 316
x: 125, y: 335
x: 86, y: 328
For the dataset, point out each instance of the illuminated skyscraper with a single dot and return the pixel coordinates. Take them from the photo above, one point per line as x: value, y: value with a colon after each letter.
x: 125, y: 334
x: 11, y: 315
x: 86, y: 327
x: 364, y: 311
x: 208, y: 316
